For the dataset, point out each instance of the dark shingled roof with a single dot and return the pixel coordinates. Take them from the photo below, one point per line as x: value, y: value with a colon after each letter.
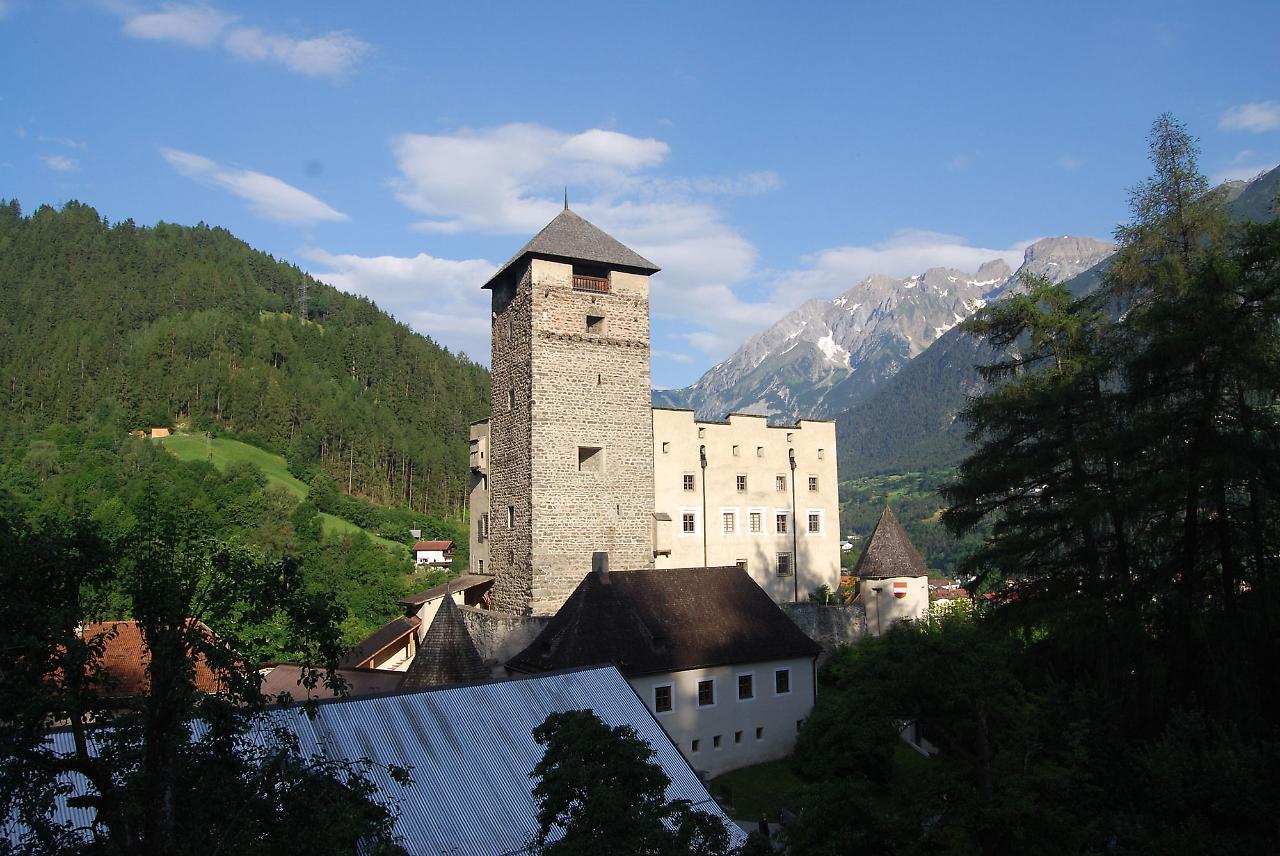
x: 569, y: 237
x: 388, y: 634
x: 665, y: 620
x: 889, y: 552
x: 446, y: 655
x: 457, y: 584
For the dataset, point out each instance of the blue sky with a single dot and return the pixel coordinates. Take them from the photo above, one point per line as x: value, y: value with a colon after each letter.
x: 760, y: 153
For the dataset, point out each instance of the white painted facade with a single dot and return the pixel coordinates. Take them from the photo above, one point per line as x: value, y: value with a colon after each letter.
x: 748, y: 505
x: 893, y: 599
x: 731, y: 732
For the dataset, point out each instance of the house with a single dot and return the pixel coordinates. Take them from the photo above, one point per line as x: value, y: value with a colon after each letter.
x: 727, y: 674
x: 465, y: 590
x: 126, y: 658
x: 893, y: 579
x: 438, y: 554
x: 470, y: 750
x: 288, y: 678
x: 390, y: 647
x: 446, y: 655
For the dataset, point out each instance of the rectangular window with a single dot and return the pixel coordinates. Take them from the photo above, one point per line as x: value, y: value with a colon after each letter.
x: 480, y: 568
x: 781, y: 681
x: 781, y: 484
x: 482, y: 525
x: 511, y: 399
x: 759, y: 733
x: 784, y: 564
x: 590, y: 459
x: 757, y: 522
x: 746, y: 687
x: 595, y: 324
x: 511, y: 516
x: 822, y: 453
x: 662, y: 699
x: 735, y: 451
x: 688, y: 522
x: 815, y: 523
x: 694, y: 746
x: 759, y: 451
x: 813, y: 483
x: 799, y: 722
x: 729, y: 522
x: 715, y: 742
x: 737, y: 737
x: 742, y: 564
x: 688, y: 481
x: 780, y: 523
x: 702, y: 432
x: 666, y: 448
x: 742, y: 484
x: 706, y: 693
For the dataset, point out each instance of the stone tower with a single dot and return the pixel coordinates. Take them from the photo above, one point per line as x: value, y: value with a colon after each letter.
x: 570, y: 433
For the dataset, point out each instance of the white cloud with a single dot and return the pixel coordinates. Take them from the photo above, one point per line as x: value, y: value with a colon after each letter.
x: 61, y: 163
x: 441, y: 298
x: 1070, y: 162
x: 267, y: 196
x: 195, y: 25
x: 1256, y: 116
x: 1240, y: 173
x: 332, y: 55
x: 671, y: 355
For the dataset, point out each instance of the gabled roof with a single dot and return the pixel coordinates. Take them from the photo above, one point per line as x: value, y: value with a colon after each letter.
x: 391, y: 633
x: 470, y: 750
x: 455, y: 585
x: 446, y: 655
x: 889, y: 552
x: 571, y: 238
x: 432, y: 545
x: 665, y: 620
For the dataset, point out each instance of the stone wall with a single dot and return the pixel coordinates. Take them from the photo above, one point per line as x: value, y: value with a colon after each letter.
x: 829, y: 626
x: 500, y: 636
x: 510, y: 445
x: 590, y: 391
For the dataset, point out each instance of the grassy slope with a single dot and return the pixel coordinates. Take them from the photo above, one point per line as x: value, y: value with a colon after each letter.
x: 223, y: 451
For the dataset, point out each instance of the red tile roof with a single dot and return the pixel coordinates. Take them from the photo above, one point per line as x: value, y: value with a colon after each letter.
x: 125, y: 658
x: 433, y: 545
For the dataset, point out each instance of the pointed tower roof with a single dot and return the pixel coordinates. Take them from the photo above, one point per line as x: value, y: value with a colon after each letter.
x: 446, y: 654
x: 571, y: 238
x: 889, y: 552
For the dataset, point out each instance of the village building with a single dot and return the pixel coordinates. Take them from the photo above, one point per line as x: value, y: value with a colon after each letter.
x: 446, y: 654
x: 893, y: 579
x: 124, y: 665
x: 437, y: 554
x: 576, y: 470
x: 726, y: 673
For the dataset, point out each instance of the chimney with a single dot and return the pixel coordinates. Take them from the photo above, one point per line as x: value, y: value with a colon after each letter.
x: 415, y: 533
x: 600, y: 565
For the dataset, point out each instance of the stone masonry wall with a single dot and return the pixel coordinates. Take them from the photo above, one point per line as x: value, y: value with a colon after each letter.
x: 590, y: 389
x: 500, y: 636
x: 829, y: 626
x: 510, y: 447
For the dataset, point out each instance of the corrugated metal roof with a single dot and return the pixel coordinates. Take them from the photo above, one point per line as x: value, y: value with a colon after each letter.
x: 471, y: 749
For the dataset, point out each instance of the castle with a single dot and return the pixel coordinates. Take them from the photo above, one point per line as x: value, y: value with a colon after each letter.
x: 575, y: 470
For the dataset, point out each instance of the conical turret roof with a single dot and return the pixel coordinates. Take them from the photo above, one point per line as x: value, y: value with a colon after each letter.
x: 571, y: 238
x: 446, y: 654
x: 889, y: 552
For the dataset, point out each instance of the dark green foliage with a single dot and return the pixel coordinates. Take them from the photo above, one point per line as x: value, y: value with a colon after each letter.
x: 599, y: 786
x: 188, y: 325
x: 157, y: 785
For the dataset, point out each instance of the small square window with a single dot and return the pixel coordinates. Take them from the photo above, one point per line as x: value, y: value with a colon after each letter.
x: 780, y: 483
x: 595, y: 324
x: 742, y: 484
x: 756, y: 521
x: 746, y: 687
x: 780, y: 523
x: 759, y: 451
x: 688, y: 523
x: 694, y: 745
x: 688, y: 481
x: 735, y: 451
x: 813, y: 483
x: 662, y: 699
x: 781, y: 681
x: 706, y: 693
x: 759, y: 733
x: 784, y: 564
x: 729, y: 522
x: 590, y: 459
x: 737, y: 737
x: 666, y: 448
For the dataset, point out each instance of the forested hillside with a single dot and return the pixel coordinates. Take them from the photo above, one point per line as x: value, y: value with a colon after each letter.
x: 191, y: 326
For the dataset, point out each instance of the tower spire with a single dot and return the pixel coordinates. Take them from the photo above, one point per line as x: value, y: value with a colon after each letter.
x: 566, y: 197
